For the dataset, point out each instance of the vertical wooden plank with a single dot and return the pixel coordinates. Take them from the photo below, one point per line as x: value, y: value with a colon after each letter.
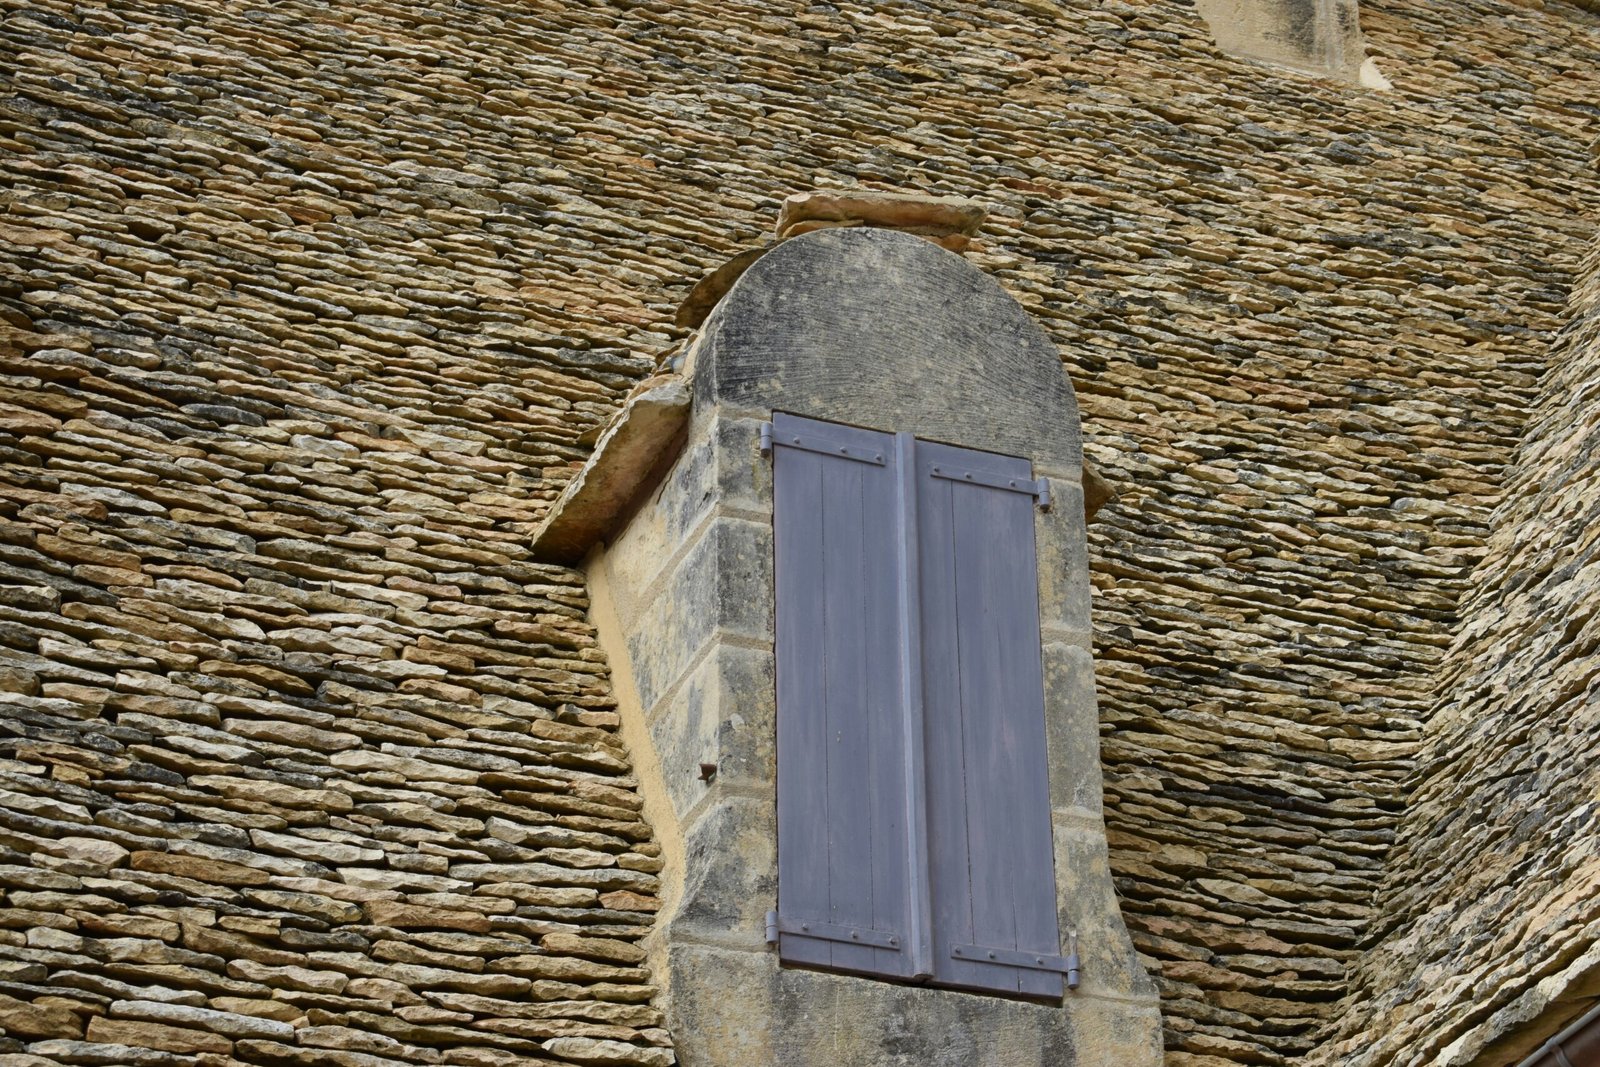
x: 1013, y: 883
x: 849, y: 769
x: 801, y: 670
x: 982, y: 624
x: 1021, y: 703
x: 950, y: 889
x: 919, y: 891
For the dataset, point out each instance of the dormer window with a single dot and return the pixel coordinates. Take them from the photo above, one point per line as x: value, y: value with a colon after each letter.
x: 914, y: 837
x: 851, y: 645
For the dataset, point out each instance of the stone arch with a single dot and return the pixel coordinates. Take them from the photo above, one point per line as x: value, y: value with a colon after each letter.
x: 876, y: 327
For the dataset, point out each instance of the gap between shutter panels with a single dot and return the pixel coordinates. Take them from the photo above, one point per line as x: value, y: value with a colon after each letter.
x: 911, y: 674
x: 1004, y: 862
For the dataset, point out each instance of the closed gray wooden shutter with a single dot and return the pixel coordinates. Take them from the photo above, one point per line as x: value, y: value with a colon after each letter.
x: 989, y: 837
x: 843, y: 855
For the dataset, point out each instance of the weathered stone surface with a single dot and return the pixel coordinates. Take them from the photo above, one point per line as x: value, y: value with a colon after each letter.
x: 608, y: 1053
x: 156, y: 1035
x: 227, y: 1023
x: 552, y: 875
x: 1322, y: 39
x: 632, y: 452
x: 1492, y: 883
x: 948, y: 220
x: 199, y: 869
x: 566, y: 969
x: 288, y: 976
x: 275, y: 1010
x: 414, y: 916
x: 1097, y: 492
x: 781, y: 345
x: 274, y: 1052
x: 20, y: 1018
x: 594, y: 948
x: 346, y: 1039
x: 103, y: 1054
x: 713, y: 287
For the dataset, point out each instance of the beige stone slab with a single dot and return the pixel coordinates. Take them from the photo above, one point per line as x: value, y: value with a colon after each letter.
x: 626, y: 459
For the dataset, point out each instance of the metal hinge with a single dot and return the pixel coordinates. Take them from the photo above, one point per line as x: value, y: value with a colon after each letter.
x: 1038, y: 489
x: 1005, y: 957
x: 820, y: 444
x: 849, y: 935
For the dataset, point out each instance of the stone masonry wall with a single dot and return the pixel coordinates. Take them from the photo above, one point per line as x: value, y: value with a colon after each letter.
x: 316, y: 305
x: 1491, y: 904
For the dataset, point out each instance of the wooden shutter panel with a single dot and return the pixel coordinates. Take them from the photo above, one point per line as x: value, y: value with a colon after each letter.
x: 989, y: 836
x: 843, y: 853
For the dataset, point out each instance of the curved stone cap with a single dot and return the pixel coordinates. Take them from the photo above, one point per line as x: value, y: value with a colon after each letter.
x: 886, y: 330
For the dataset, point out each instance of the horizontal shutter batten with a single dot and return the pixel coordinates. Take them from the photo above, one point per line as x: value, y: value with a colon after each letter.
x: 988, y: 478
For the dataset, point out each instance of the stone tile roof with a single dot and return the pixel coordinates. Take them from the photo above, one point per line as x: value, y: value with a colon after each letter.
x: 302, y: 760
x: 1489, y: 908
x: 284, y: 821
x: 311, y: 309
